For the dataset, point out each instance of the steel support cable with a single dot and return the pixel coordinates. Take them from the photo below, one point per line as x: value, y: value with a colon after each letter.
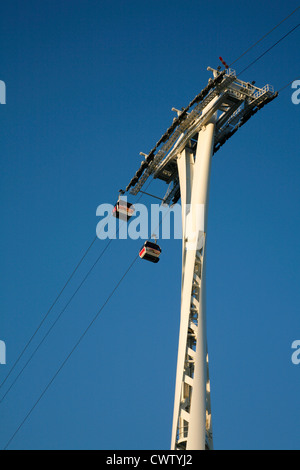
x: 254, y: 109
x: 76, y: 345
x: 70, y: 354
x: 59, y: 316
x: 288, y: 84
x: 47, y: 314
x: 264, y: 36
x: 55, y: 322
x: 269, y: 49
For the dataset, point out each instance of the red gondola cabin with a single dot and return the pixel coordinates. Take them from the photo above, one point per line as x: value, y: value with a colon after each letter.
x: 150, y: 252
x: 123, y: 210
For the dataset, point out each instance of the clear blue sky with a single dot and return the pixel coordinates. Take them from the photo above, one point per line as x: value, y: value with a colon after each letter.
x: 90, y: 84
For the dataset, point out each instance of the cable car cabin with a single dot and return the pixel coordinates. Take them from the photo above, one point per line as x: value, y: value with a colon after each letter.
x: 150, y: 252
x: 123, y: 210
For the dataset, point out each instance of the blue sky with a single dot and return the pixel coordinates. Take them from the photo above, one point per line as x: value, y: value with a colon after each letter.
x: 90, y: 84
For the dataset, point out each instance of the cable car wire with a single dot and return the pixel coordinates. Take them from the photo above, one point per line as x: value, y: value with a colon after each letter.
x: 71, y: 352
x: 288, y: 84
x: 59, y: 316
x: 55, y: 322
x: 77, y: 343
x: 269, y: 49
x: 47, y: 314
x: 264, y: 36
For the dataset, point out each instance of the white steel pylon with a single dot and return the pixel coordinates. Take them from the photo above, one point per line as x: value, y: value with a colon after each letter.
x: 192, y: 427
x: 210, y: 119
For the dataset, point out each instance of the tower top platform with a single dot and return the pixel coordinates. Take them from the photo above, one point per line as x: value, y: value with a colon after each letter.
x: 234, y: 101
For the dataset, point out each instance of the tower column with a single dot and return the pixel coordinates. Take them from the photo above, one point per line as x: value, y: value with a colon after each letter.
x: 192, y: 417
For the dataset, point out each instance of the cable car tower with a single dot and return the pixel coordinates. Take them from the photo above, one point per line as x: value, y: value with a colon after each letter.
x: 182, y: 158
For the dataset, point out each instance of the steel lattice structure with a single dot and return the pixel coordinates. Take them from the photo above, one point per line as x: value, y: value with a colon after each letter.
x: 182, y: 158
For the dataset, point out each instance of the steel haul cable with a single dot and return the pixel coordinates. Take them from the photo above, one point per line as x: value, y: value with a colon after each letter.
x: 70, y: 354
x: 77, y: 343
x: 288, y: 84
x: 269, y: 49
x: 47, y: 314
x: 59, y: 316
x: 55, y: 322
x: 264, y: 36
